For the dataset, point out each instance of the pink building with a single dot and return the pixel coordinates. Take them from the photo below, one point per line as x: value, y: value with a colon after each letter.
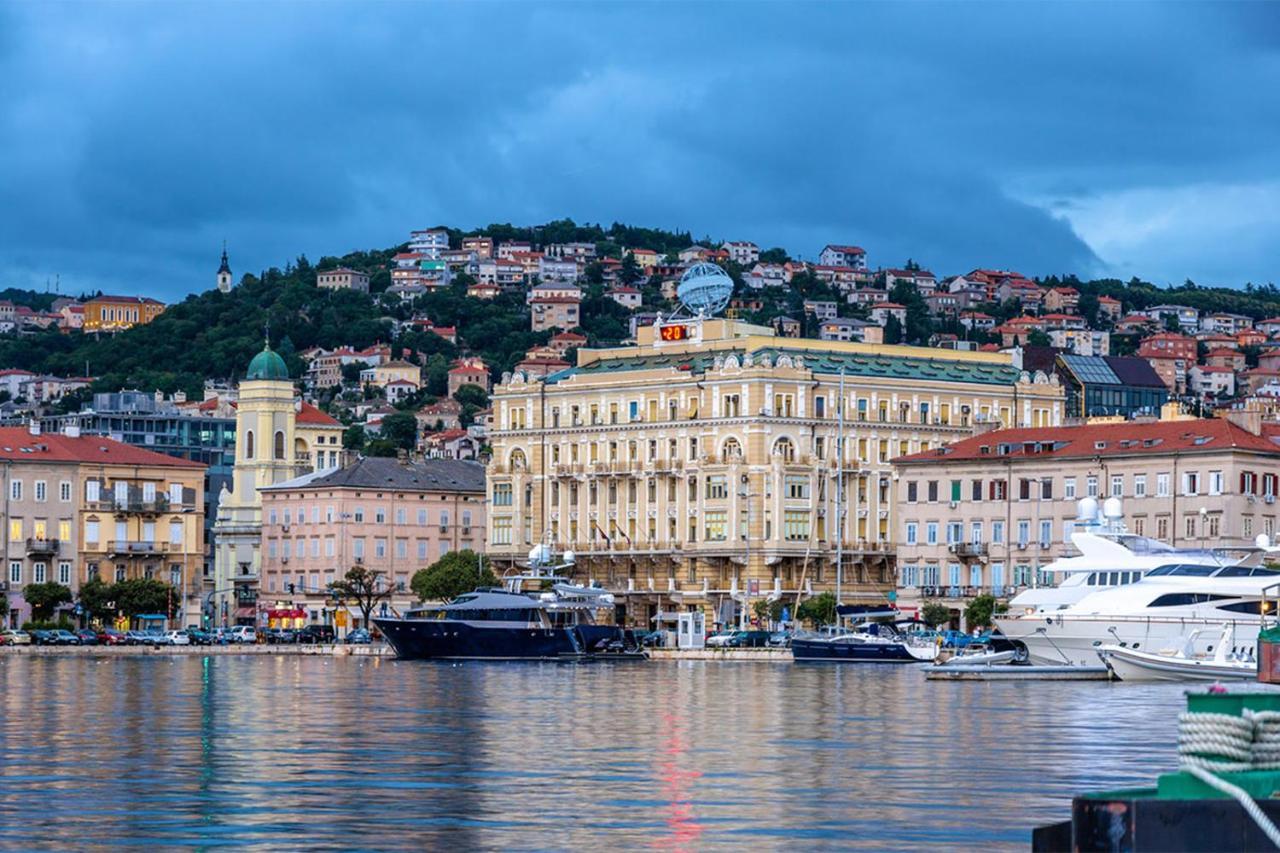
x: 389, y: 515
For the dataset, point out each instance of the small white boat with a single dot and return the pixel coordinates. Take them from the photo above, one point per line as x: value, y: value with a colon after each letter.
x: 981, y: 657
x: 1183, y: 664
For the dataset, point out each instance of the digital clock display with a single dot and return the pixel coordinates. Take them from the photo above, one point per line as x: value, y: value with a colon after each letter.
x: 678, y: 332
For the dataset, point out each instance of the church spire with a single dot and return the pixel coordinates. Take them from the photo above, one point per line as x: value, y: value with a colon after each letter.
x: 224, y: 271
x: 226, y: 267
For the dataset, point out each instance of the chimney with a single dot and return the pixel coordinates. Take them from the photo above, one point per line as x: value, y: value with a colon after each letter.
x: 71, y: 430
x: 1249, y: 420
x: 33, y: 427
x: 402, y: 456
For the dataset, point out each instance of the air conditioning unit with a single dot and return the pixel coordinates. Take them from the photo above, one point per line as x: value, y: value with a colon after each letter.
x: 1270, y: 499
x: 951, y: 549
x: 955, y: 504
x: 1022, y: 546
x: 284, y: 559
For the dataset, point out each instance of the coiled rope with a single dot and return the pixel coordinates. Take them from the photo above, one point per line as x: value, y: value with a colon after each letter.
x: 1209, y: 744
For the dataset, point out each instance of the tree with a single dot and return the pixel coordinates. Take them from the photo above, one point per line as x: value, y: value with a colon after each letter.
x: 892, y: 330
x: 766, y: 610
x: 351, y: 372
x: 400, y: 429
x: 819, y: 610
x: 1038, y: 338
x: 452, y: 575
x: 353, y: 437
x: 978, y: 612
x: 934, y: 614
x: 630, y: 272
x: 144, y: 595
x: 365, y: 587
x: 44, y: 599
x: 472, y: 395
x: 94, y: 598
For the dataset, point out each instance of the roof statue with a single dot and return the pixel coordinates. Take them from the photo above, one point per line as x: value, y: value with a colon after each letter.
x: 704, y: 289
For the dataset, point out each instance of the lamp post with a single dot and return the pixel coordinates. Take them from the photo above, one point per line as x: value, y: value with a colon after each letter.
x: 746, y: 494
x: 1204, y: 517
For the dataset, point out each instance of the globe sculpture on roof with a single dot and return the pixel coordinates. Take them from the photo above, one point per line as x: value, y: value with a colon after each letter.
x: 704, y: 289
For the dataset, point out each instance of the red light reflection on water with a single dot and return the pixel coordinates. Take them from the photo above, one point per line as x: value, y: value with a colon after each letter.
x: 683, y: 827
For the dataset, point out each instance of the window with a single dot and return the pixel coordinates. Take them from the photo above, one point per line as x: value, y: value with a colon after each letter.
x: 975, y: 491
x: 1139, y: 485
x: 956, y: 486
x: 933, y: 491
x: 379, y: 516
x: 1117, y: 485
x: 379, y: 547
x: 1191, y: 483
x: 15, y: 572
x: 402, y: 548
x: 1162, y: 528
x: 41, y: 491
x: 38, y: 573
x: 328, y: 547
x: 64, y: 573
x: 716, y: 526
x: 422, y: 549
x: 1215, y: 482
x: 1024, y: 532
x: 1214, y: 522
x: 15, y: 490
x: 91, y: 533
x: 1046, y: 489
x: 931, y: 533
x: 1162, y: 485
x: 1046, y: 533
x: 1091, y: 486
x: 796, y: 526
x: 997, y: 532
x: 358, y: 515
x: 911, y: 491
x: 785, y: 449
x: 357, y: 548
x: 912, y: 530
x: 797, y: 488
x: 248, y: 444
x: 402, y: 515
x: 502, y: 531
x: 1069, y: 488
x: 975, y: 532
x: 1190, y: 527
x: 64, y: 491
x: 717, y: 488
x: 175, y: 493
x: 955, y: 532
x: 175, y: 532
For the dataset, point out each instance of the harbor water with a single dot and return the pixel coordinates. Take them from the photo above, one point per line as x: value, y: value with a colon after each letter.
x: 314, y: 753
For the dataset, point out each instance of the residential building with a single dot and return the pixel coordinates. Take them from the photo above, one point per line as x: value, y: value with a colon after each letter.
x: 821, y: 310
x: 429, y: 242
x: 554, y: 310
x: 977, y: 320
x: 442, y: 415
x: 1185, y: 318
x: 501, y: 272
x: 1062, y: 300
x: 117, y: 313
x: 1110, y: 386
x: 1109, y: 309
x: 882, y: 311
x: 1225, y: 323
x: 77, y: 507
x: 986, y: 514
x: 579, y: 252
x: 392, y: 371
x: 742, y: 253
x: 481, y: 247
x: 452, y: 444
x: 1269, y: 327
x: 391, y: 516
x: 508, y: 250
x: 1209, y: 381
x: 343, y: 278
x: 844, y: 329
x: 552, y: 269
x: 562, y: 342
x: 468, y: 371
x: 693, y: 254
x: 645, y: 258
x: 853, y: 257
x: 785, y: 327
x: 1226, y: 357
x: 704, y: 462
x: 1081, y: 341
x: 626, y: 296
x: 1170, y: 355
x: 766, y: 275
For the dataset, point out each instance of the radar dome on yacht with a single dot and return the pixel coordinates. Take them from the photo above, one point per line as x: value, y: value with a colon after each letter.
x: 1111, y: 509
x: 1262, y: 541
x: 1087, y: 509
x: 568, y: 558
x: 540, y: 554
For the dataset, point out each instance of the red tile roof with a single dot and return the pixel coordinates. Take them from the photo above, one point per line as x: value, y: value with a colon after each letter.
x: 309, y: 414
x: 1090, y: 440
x: 19, y: 445
x: 848, y: 250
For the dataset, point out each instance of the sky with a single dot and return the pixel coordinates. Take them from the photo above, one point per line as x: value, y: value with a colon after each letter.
x: 1097, y: 139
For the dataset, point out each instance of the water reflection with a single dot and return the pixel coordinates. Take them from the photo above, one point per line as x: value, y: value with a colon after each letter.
x: 335, y: 753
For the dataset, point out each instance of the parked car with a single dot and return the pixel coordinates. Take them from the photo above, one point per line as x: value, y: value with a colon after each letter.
x: 41, y: 637
x: 724, y: 640
x: 112, y: 637
x: 652, y: 639
x: 174, y: 638
x: 315, y: 634
x: 359, y: 635
x: 63, y: 637
x: 14, y: 637
x: 243, y: 634
x: 280, y: 636
x: 780, y: 639
x: 87, y: 637
x: 198, y: 637
x: 137, y: 638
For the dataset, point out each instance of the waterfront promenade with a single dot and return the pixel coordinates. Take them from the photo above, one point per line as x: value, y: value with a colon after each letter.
x: 367, y: 650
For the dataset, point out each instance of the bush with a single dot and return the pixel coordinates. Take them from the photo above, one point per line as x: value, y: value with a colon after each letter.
x: 935, y: 614
x: 47, y: 625
x: 978, y: 613
x: 819, y: 610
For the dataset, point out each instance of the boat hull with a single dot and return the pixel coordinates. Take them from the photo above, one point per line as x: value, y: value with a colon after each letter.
x: 1055, y: 640
x: 429, y: 639
x: 821, y: 651
x: 1129, y: 665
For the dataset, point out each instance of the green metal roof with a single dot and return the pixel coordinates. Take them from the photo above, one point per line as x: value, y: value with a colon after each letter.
x: 852, y: 363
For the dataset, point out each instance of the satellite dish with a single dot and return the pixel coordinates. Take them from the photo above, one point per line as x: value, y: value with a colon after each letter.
x: 1262, y: 541
x: 539, y: 555
x: 1111, y: 509
x: 704, y: 289
x: 1087, y: 509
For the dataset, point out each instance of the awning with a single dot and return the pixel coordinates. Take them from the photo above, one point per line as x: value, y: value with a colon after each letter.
x: 287, y: 613
x: 246, y: 612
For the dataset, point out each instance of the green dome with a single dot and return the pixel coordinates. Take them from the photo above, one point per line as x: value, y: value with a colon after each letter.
x: 267, y: 365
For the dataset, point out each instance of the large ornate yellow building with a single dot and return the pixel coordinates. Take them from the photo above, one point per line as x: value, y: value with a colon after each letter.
x: 702, y: 466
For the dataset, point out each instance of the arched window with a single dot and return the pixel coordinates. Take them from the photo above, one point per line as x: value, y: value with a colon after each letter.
x: 732, y: 449
x: 784, y: 448
x: 279, y: 444
x: 248, y: 444
x: 518, y: 462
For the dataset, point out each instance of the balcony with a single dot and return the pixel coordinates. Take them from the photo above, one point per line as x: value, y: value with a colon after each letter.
x: 970, y: 549
x: 46, y: 547
x: 160, y: 503
x: 134, y: 548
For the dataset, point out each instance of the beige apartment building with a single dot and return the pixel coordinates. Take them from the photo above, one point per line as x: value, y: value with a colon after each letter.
x: 389, y: 515
x: 343, y: 279
x: 702, y: 466
x: 79, y: 506
x: 986, y: 514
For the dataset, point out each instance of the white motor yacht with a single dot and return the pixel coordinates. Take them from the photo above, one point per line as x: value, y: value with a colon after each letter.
x: 1151, y: 614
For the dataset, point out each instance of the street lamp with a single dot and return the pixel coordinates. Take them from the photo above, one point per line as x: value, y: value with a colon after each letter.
x: 746, y: 494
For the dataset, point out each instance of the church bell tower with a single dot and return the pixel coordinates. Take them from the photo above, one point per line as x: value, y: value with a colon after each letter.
x: 224, y: 272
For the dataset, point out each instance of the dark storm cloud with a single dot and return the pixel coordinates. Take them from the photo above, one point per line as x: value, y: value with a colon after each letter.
x: 1042, y: 137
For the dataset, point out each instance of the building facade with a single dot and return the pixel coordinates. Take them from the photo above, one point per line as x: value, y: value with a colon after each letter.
x: 117, y: 313
x: 702, y: 467
x: 391, y: 516
x: 986, y: 514
x: 77, y: 507
x: 343, y: 278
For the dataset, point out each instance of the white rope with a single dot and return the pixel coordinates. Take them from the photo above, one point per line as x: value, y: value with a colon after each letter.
x: 1209, y: 744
